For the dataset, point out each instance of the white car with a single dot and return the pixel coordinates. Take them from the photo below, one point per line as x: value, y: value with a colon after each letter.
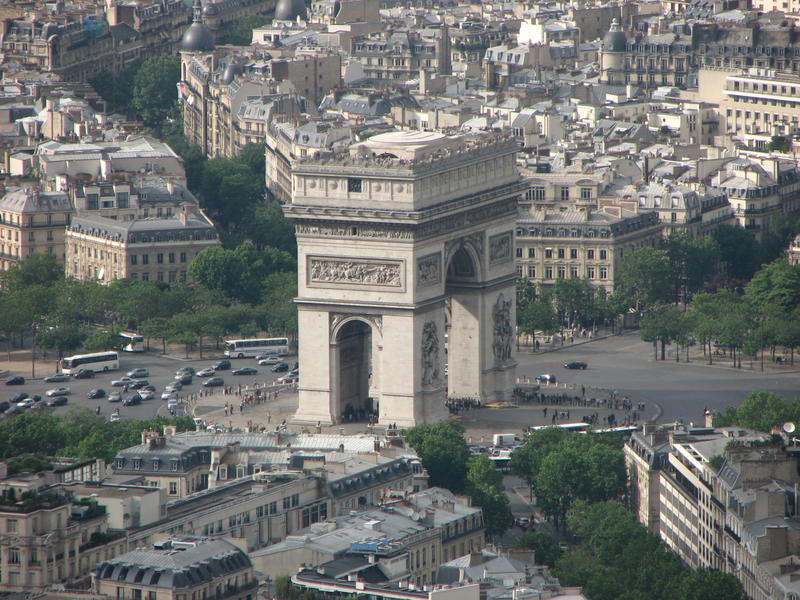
x: 167, y: 395
x: 114, y: 418
x: 175, y: 386
x: 138, y: 372
x: 122, y: 381
x: 27, y: 403
x: 59, y: 391
x: 270, y: 360
x: 147, y: 394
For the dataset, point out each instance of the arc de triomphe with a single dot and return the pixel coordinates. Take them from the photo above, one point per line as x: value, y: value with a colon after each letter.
x: 406, y: 276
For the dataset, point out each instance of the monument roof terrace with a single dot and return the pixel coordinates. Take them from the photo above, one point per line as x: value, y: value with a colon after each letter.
x: 410, y: 153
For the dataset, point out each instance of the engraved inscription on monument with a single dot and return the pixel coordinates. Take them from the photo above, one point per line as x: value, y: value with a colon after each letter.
x: 500, y: 247
x: 354, y: 271
x: 429, y: 269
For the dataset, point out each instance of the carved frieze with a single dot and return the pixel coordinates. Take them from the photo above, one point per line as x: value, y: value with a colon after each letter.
x: 363, y: 231
x: 503, y: 330
x: 355, y: 271
x: 430, y: 354
x: 429, y: 269
x: 500, y: 247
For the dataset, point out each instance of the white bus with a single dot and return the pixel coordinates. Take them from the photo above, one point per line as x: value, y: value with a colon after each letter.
x: 256, y: 346
x: 133, y: 341
x: 98, y: 361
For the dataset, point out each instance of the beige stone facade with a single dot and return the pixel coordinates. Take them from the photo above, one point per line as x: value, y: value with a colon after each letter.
x: 402, y: 245
x: 150, y: 249
x: 32, y: 221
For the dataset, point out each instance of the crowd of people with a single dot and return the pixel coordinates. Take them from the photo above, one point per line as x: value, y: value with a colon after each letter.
x: 459, y: 405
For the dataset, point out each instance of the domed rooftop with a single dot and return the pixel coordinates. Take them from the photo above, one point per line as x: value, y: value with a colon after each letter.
x: 210, y: 10
x: 289, y: 10
x: 49, y: 29
x: 198, y: 37
x: 232, y: 70
x: 615, y: 40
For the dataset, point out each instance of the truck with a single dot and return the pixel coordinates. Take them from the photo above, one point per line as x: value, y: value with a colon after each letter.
x: 502, y: 440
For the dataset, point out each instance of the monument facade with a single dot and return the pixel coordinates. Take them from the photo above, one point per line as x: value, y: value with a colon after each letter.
x: 406, y: 276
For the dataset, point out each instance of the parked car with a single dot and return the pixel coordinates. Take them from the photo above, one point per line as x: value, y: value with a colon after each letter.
x: 115, y: 397
x: 207, y: 372
x: 545, y: 378
x: 57, y: 401
x: 281, y: 367
x: 122, y: 381
x: 245, y: 371
x: 184, y: 379
x: 269, y: 360
x: 138, y: 372
x: 167, y: 395
x: 114, y: 418
x: 575, y: 364
x: 16, y: 380
x: 96, y: 393
x: 185, y: 371
x: 289, y: 378
x: 57, y: 378
x: 523, y: 522
x: 149, y: 387
x: 27, y: 403
x: 139, y: 384
x: 213, y: 382
x: 19, y: 397
x: 267, y: 355
x: 59, y: 391
x: 84, y: 374
x: 175, y: 386
x: 147, y: 394
x: 221, y: 365
x: 4, y: 406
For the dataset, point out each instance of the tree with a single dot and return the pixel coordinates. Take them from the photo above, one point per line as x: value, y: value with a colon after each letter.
x: 482, y: 472
x: 39, y: 269
x: 253, y: 155
x: 443, y: 452
x: 777, y: 283
x: 692, y: 262
x: 495, y: 507
x: 544, y: 546
x: 62, y: 338
x: 240, y: 31
x: 662, y: 326
x: 644, y: 278
x: 107, y: 338
x: 760, y: 411
x: 739, y: 251
x: 537, y: 315
x: 707, y: 584
x: 217, y: 269
x: 779, y: 143
x: 574, y: 299
x: 154, y: 89
x: 527, y: 460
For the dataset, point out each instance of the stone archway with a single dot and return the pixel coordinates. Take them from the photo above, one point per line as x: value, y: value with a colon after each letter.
x: 403, y: 256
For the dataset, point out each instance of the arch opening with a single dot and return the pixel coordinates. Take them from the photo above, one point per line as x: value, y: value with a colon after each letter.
x: 353, y: 346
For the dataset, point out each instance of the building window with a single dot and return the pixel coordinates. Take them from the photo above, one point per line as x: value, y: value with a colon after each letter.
x: 353, y: 184
x: 160, y: 258
x: 603, y: 254
x: 573, y: 272
x: 92, y: 201
x: 573, y: 253
x: 532, y: 271
x: 531, y: 252
x: 548, y: 253
x: 535, y: 194
x: 122, y: 200
x: 519, y: 252
x: 561, y: 253
x: 160, y: 275
x: 562, y: 272
x: 287, y: 503
x: 295, y: 500
x: 565, y: 194
x: 49, y: 236
x: 171, y: 257
x: 519, y: 270
x: 173, y: 276
x: 145, y: 259
x: 590, y: 272
x: 673, y: 217
x: 11, y: 525
x: 137, y: 463
x: 603, y: 273
x: 586, y: 193
x: 183, y: 257
x: 548, y: 272
x: 31, y: 236
x: 145, y: 276
x: 173, y: 488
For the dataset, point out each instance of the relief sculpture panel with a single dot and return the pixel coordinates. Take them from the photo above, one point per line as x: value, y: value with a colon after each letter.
x: 354, y: 271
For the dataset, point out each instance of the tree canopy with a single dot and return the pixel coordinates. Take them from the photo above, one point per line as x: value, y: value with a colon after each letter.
x: 155, y: 91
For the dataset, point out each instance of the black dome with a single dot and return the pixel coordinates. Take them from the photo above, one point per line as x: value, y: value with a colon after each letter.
x: 289, y: 10
x: 48, y: 30
x: 210, y: 10
x: 615, y: 40
x: 198, y: 38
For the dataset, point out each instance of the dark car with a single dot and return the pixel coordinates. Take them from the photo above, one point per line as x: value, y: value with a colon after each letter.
x: 184, y: 379
x: 17, y: 380
x: 57, y: 378
x: 4, y: 406
x: 139, y: 384
x: 132, y: 400
x: 57, y: 401
x: 96, y: 393
x: 575, y: 364
x: 19, y: 397
x: 545, y: 378
x: 150, y: 387
x: 221, y: 365
x: 84, y: 374
x: 281, y: 367
x: 213, y: 382
x: 245, y: 371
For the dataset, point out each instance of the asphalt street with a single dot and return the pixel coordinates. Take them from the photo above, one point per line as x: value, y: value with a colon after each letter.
x: 162, y: 371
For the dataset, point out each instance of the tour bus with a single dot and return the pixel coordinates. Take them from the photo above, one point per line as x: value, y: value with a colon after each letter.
x: 133, y: 341
x: 98, y: 361
x: 256, y: 346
